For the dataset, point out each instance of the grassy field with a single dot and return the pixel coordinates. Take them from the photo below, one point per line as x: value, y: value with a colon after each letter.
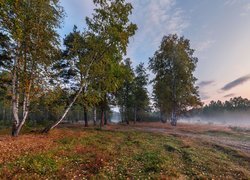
x: 121, y: 152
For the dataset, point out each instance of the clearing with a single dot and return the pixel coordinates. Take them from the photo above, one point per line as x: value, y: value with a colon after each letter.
x: 141, y: 151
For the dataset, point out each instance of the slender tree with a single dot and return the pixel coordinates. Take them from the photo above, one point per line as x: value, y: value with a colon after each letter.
x: 140, y: 93
x: 173, y: 65
x: 125, y: 96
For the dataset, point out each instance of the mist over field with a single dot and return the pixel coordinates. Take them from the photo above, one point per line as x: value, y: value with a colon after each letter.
x: 227, y: 119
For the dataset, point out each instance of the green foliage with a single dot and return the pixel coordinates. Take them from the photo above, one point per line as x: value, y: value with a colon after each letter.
x: 34, y: 42
x: 31, y: 27
x: 124, y: 95
x: 5, y: 84
x: 132, y: 97
x: 235, y: 108
x: 174, y: 64
x: 233, y: 105
x: 140, y: 93
x: 151, y: 161
x: 5, y: 51
x: 67, y: 141
x: 41, y: 164
x: 91, y: 64
x: 170, y: 148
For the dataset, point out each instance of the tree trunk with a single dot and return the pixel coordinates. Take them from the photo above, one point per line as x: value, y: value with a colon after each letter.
x: 15, y: 102
x: 17, y: 123
x: 162, y: 118
x: 126, y: 116
x: 85, y: 117
x: 83, y: 87
x: 4, y: 114
x: 94, y: 116
x: 102, y: 119
x: 47, y: 114
x: 26, y: 104
x: 174, y: 117
x: 26, y: 95
x: 105, y: 118
x: 127, y: 120
x: 47, y: 129
x: 121, y: 114
x: 19, y: 126
x: 135, y: 115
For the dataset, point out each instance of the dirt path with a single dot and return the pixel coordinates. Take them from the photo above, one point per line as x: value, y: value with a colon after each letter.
x: 242, y: 145
x: 207, y: 133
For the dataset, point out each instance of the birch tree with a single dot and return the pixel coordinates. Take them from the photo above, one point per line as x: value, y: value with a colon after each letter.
x: 31, y: 28
x: 174, y: 83
x: 103, y: 44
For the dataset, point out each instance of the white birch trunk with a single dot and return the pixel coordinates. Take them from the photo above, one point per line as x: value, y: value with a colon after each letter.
x: 15, y: 101
x: 94, y: 116
x: 26, y: 104
x: 65, y: 112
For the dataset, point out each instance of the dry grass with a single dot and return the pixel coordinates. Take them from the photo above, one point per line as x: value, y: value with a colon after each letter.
x: 121, y: 152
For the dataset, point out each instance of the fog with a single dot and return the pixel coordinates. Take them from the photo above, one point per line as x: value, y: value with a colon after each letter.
x: 228, y: 119
x: 237, y: 119
x: 115, y: 117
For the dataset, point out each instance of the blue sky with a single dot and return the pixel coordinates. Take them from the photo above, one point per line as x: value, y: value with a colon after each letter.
x: 219, y: 31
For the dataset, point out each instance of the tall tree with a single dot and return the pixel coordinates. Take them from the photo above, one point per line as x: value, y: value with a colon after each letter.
x: 105, y: 42
x: 140, y: 93
x: 74, y: 69
x: 31, y: 27
x: 173, y: 65
x: 125, y: 96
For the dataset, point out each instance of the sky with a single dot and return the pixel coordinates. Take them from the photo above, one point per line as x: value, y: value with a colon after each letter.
x: 218, y: 30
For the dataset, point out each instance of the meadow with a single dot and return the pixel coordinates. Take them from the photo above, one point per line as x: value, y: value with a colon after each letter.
x: 141, y: 151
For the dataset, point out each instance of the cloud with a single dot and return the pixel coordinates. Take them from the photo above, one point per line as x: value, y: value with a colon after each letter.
x: 202, y: 46
x: 246, y: 10
x: 230, y: 2
x: 245, y: 6
x: 205, y: 83
x: 229, y: 95
x: 204, y: 96
x: 154, y: 18
x: 236, y: 82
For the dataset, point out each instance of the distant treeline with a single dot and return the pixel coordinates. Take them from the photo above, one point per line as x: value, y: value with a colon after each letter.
x: 215, y: 108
